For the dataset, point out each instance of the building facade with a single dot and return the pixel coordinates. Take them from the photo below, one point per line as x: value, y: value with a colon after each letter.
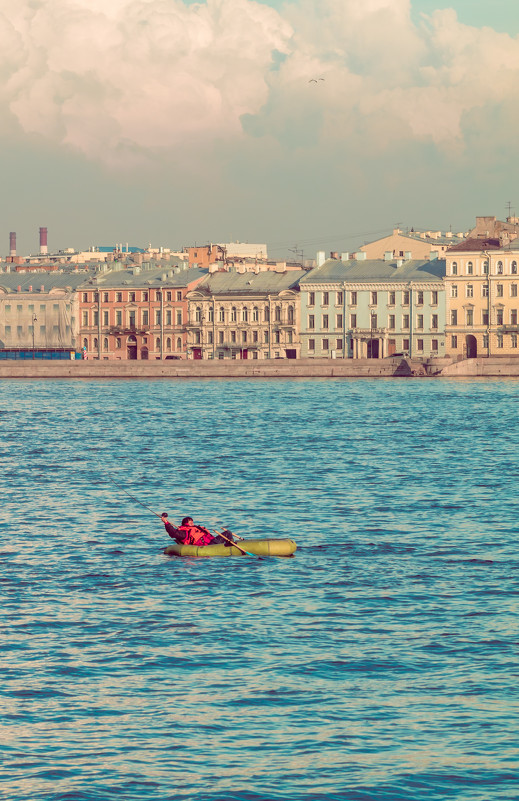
x: 482, y: 302
x: 412, y: 245
x: 245, y: 316
x: 373, y: 308
x: 136, y: 314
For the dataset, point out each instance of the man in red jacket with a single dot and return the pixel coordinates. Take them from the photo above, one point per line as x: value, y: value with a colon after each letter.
x: 190, y: 534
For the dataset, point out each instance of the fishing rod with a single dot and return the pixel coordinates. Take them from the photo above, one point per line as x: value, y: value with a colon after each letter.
x: 134, y: 498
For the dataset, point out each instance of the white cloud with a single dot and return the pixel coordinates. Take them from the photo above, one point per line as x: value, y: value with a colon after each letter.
x: 131, y: 77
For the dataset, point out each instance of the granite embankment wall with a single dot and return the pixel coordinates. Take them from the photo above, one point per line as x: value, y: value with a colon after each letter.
x: 275, y: 368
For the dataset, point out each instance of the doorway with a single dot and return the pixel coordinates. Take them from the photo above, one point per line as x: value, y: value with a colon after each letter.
x: 471, y: 345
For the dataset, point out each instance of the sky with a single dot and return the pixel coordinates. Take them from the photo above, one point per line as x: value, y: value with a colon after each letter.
x: 306, y: 124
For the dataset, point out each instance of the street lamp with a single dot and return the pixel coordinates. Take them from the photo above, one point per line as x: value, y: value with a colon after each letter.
x: 34, y: 320
x: 371, y: 321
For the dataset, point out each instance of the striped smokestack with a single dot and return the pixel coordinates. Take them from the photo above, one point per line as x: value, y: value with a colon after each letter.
x: 12, y: 243
x: 43, y: 241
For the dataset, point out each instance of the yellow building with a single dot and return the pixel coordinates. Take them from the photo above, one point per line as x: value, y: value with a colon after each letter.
x: 412, y: 245
x: 481, y: 296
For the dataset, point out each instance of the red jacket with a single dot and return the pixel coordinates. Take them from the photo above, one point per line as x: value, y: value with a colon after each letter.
x: 190, y: 535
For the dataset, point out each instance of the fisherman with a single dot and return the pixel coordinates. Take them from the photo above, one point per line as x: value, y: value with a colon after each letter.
x: 190, y: 534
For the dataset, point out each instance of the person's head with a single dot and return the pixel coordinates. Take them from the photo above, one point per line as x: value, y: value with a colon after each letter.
x: 187, y: 521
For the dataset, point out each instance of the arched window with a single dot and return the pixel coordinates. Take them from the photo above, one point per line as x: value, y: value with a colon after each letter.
x: 485, y: 268
x: 255, y: 314
x: 168, y: 343
x: 291, y: 314
x: 244, y: 314
x: 179, y: 343
x: 198, y: 314
x: 500, y: 268
x: 234, y: 314
x: 105, y: 343
x: 278, y: 314
x: 266, y: 314
x: 118, y: 343
x: 470, y: 268
x: 221, y: 315
x: 454, y: 268
x: 514, y: 268
x: 197, y: 337
x: 157, y: 343
x: 85, y: 343
x: 211, y: 315
x: 95, y: 343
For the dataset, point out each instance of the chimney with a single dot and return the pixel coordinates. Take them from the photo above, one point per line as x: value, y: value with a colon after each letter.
x: 334, y: 254
x: 408, y: 255
x: 43, y: 241
x: 321, y: 258
x: 42, y: 288
x: 19, y: 288
x: 12, y: 243
x: 360, y: 255
x: 388, y: 255
x: 345, y: 256
x: 30, y: 288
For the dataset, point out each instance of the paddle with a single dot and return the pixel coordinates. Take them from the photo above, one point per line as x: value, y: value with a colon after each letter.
x: 244, y: 552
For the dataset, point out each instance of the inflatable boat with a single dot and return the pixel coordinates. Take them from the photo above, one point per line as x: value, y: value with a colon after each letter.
x: 255, y: 547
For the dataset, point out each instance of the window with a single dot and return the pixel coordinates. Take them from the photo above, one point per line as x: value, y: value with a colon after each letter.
x: 277, y: 314
x: 211, y: 315
x: 132, y: 297
x: 105, y: 318
x: 353, y: 298
x: 513, y: 340
x: 311, y: 298
x: 500, y: 340
x: 311, y: 344
x: 419, y: 321
x: 221, y: 315
x: 338, y: 323
x: 484, y: 318
x: 244, y: 315
x: 405, y: 344
x: 277, y: 337
x: 118, y: 317
x: 85, y: 297
x: 373, y: 320
x: 454, y: 317
x: 338, y: 344
x: 254, y: 336
x: 454, y: 268
x: 326, y: 298
x: 454, y: 290
x: 405, y: 300
x: 470, y: 290
x: 513, y: 268
x: 244, y: 337
x: 168, y: 317
x: 469, y: 317
x: 499, y: 290
x: 513, y: 316
x: 105, y: 297
x: 392, y: 298
x: 157, y: 343
x: 485, y: 341
x: 179, y: 343
x: 420, y: 344
x: 198, y: 314
x: 374, y: 298
x: 500, y: 268
x: 84, y: 318
x: 158, y: 294
x: 290, y: 337
x: 234, y: 314
x: 311, y: 321
x: 220, y: 337
x: 266, y: 314
x: 168, y: 343
x: 405, y: 321
x: 484, y: 291
x: 105, y: 344
x: 325, y: 321
x: 266, y: 337
x: 513, y: 290
x: 391, y: 322
x: 340, y: 298
x: 179, y: 316
x: 145, y: 296
x: 157, y: 316
x: 499, y: 317
x: 291, y: 315
x: 353, y: 321
x: 470, y: 268
x: 118, y: 343
x: 326, y: 344
x: 233, y: 337
x: 434, y: 298
x: 118, y: 297
x: 485, y: 268
x: 168, y: 295
x: 179, y: 294
x: 419, y: 298
x: 434, y: 345
x: 454, y: 341
x: 255, y: 314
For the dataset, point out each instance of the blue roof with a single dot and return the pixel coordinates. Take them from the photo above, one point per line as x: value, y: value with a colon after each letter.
x: 111, y: 248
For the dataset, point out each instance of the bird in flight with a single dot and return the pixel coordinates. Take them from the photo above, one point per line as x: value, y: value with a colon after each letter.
x: 315, y: 80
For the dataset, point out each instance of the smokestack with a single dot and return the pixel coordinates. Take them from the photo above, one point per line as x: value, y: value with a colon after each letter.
x: 43, y: 241
x: 12, y: 243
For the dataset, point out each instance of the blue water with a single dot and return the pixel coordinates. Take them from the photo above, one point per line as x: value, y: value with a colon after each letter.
x: 379, y: 663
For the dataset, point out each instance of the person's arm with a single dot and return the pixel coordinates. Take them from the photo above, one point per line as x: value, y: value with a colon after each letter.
x: 172, y: 531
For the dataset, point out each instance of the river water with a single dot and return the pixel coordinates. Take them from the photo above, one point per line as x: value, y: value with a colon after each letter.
x: 378, y: 663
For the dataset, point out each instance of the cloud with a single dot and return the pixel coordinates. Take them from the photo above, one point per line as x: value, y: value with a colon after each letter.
x: 144, y: 78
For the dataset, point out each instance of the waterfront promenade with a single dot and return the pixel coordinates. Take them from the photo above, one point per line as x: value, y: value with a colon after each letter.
x: 397, y: 367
